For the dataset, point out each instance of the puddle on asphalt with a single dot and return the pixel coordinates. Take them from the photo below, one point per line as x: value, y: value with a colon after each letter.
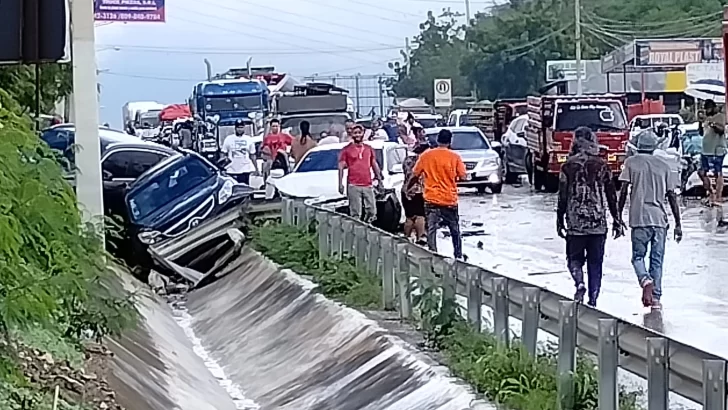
x: 184, y: 320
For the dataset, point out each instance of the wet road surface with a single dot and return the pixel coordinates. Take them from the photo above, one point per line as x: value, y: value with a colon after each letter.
x: 518, y: 239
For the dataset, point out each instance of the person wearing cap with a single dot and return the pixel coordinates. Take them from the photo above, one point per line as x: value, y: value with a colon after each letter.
x: 240, y: 149
x: 712, y: 128
x: 649, y: 181
x: 391, y: 128
x: 360, y: 161
x: 585, y: 181
x: 440, y: 168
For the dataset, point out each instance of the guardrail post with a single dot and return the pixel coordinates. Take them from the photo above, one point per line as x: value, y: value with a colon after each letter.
x: 349, y: 238
x: 714, y: 384
x: 566, y: 361
x: 323, y: 235
x: 310, y: 216
x: 300, y: 212
x: 373, y: 250
x: 403, y: 280
x: 449, y: 280
x: 475, y: 296
x: 360, y: 245
x: 388, y: 293
x: 425, y: 267
x: 287, y: 215
x: 658, y: 373
x: 531, y: 318
x: 335, y: 227
x: 500, y: 310
x: 608, y: 364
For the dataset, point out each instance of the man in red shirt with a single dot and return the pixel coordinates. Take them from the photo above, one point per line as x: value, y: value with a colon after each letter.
x: 360, y: 161
x: 275, y: 146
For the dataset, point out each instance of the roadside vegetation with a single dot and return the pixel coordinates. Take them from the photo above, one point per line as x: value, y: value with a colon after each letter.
x: 508, y: 376
x: 58, y: 296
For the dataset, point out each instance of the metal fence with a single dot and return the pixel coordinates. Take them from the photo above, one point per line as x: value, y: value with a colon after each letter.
x: 369, y: 92
x: 666, y: 364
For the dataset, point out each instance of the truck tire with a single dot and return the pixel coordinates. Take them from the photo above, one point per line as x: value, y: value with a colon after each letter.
x: 551, y: 183
x: 389, y: 212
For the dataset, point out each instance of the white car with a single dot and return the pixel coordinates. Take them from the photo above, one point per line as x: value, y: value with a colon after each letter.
x: 316, y: 176
x: 692, y: 143
x: 651, y: 120
x: 481, y: 158
x: 515, y: 149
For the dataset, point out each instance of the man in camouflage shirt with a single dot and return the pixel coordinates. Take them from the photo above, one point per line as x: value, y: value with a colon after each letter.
x: 585, y: 184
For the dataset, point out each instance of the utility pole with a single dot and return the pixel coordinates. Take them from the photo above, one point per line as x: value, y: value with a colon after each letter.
x: 86, y: 112
x: 467, y: 11
x: 577, y: 34
x: 408, y: 51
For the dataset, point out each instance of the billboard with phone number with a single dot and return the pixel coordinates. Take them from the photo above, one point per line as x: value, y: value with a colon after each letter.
x: 129, y: 10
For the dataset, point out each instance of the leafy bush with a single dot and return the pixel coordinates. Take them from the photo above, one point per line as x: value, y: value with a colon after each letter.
x: 54, y: 277
x: 297, y: 249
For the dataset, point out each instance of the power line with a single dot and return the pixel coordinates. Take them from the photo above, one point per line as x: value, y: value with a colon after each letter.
x: 150, y: 77
x: 377, y: 16
x: 172, y: 50
x: 608, y: 22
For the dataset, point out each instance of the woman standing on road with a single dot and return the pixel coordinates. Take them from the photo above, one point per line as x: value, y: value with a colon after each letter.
x: 302, y: 144
x: 412, y: 200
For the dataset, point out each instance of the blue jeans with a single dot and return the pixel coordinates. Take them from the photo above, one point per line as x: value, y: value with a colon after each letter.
x: 448, y: 216
x: 712, y: 163
x: 654, y: 237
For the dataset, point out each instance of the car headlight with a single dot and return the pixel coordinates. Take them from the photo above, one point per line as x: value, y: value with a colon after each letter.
x: 226, y: 191
x: 149, y: 237
x: 491, y: 163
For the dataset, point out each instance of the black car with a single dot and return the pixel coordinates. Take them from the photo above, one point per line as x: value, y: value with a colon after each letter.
x: 124, y: 158
x: 176, y: 195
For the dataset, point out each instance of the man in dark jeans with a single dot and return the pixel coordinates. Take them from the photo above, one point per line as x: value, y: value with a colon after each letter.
x: 585, y: 182
x: 440, y: 168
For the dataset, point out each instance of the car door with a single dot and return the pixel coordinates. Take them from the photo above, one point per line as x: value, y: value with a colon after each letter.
x: 120, y: 168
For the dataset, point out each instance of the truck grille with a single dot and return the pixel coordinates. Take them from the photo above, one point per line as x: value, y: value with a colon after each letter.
x: 470, y: 165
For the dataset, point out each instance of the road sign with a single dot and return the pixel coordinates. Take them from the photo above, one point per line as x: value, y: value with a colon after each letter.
x: 443, y: 92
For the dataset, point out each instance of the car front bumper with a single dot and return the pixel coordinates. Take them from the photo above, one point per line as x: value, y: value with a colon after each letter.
x: 479, y: 177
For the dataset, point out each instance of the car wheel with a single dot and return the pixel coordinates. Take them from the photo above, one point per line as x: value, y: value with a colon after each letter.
x: 481, y: 188
x: 551, y: 182
x: 389, y: 212
x: 510, y: 177
x: 496, y: 189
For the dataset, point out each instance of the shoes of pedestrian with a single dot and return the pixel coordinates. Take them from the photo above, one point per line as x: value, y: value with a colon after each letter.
x: 580, y: 292
x: 647, y: 288
x: 656, y: 305
x: 592, y: 303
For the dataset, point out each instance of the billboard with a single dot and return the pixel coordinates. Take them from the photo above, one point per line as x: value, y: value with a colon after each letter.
x: 563, y: 70
x: 703, y: 71
x: 35, y: 32
x: 678, y: 52
x: 129, y: 10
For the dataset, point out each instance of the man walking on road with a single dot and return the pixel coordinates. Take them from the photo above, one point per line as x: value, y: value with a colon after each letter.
x: 360, y: 161
x: 440, y: 169
x: 585, y: 184
x: 649, y: 179
x: 715, y: 147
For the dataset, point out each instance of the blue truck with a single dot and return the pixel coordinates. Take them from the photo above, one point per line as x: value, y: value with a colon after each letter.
x: 227, y: 100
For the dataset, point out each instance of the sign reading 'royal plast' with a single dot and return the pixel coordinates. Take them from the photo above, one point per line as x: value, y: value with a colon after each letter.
x: 677, y: 53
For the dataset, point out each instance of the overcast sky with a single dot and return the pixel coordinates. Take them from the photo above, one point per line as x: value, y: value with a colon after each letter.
x: 162, y: 61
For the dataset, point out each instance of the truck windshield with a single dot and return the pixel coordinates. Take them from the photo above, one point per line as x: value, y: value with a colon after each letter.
x: 330, y: 124
x: 328, y: 160
x: 149, y: 119
x: 227, y: 103
x: 427, y: 123
x: 171, y: 184
x: 599, y: 116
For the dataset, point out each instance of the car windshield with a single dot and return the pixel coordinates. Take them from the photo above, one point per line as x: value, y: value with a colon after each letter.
x: 173, y: 182
x: 328, y: 160
x: 463, y: 140
x: 692, y: 142
x: 427, y: 123
x: 331, y: 124
x: 599, y: 116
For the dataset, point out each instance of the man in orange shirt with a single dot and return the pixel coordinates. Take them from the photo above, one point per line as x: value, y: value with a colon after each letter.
x: 440, y: 169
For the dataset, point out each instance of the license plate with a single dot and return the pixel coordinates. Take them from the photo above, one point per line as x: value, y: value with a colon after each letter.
x: 612, y: 158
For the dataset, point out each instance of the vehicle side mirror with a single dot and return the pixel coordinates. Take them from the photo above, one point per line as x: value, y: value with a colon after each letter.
x: 396, y: 169
x: 107, y: 176
x: 223, y: 162
x: 496, y: 145
x: 521, y: 134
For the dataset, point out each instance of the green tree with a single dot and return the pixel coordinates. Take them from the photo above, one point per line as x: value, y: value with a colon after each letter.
x: 437, y: 53
x: 56, y: 81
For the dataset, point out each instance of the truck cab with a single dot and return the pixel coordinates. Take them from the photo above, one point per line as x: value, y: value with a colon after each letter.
x: 550, y: 131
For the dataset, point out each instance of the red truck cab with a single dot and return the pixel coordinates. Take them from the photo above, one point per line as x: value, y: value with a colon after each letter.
x: 506, y: 110
x: 550, y: 131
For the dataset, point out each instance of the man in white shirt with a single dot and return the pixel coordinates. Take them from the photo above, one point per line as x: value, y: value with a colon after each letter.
x: 376, y: 132
x: 240, y: 149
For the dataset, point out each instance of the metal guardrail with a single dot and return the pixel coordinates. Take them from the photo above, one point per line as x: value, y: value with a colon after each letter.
x: 666, y: 364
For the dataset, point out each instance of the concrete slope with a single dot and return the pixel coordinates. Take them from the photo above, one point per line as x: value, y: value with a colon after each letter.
x: 290, y: 348
x: 154, y: 366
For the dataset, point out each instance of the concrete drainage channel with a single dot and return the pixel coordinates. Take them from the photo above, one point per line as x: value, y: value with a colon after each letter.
x: 251, y: 336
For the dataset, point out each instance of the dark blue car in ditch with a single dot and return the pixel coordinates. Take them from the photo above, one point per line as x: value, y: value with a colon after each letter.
x: 178, y: 194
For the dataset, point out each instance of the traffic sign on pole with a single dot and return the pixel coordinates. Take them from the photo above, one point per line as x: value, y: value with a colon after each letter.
x: 443, y: 92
